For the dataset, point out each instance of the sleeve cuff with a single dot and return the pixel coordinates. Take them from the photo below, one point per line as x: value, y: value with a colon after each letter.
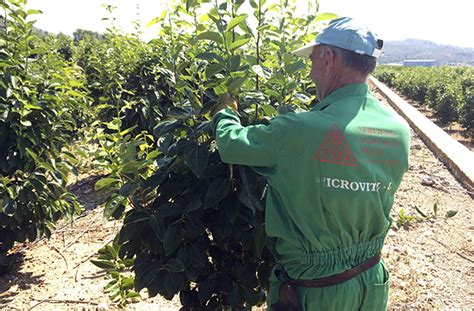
x: 225, y: 113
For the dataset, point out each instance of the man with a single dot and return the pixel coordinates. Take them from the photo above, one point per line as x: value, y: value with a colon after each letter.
x: 332, y: 174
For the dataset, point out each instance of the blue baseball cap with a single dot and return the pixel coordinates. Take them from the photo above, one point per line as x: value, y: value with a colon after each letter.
x: 345, y: 33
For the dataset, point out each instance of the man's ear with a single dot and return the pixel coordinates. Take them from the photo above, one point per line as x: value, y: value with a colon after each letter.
x: 330, y: 57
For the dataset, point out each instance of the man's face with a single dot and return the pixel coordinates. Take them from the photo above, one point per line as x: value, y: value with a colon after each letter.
x: 316, y: 74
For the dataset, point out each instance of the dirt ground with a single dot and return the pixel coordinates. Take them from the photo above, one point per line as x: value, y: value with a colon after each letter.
x: 431, y: 259
x: 57, y: 274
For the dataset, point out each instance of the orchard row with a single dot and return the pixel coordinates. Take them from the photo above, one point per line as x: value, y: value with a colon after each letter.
x: 449, y: 91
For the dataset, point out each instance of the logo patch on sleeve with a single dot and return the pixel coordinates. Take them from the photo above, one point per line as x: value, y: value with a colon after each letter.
x: 335, y: 149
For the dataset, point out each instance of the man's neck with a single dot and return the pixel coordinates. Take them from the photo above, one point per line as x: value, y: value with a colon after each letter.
x: 351, y: 77
x: 344, y: 78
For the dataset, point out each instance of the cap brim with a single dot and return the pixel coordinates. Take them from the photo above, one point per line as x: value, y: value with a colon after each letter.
x: 306, y: 50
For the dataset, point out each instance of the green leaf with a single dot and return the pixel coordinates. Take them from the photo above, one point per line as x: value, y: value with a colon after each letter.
x: 195, y: 101
x: 261, y: 71
x: 216, y: 191
x: 246, y: 29
x: 190, y: 4
x: 238, y: 43
x: 14, y: 81
x: 115, y: 206
x: 33, y: 107
x: 220, y: 89
x: 37, y: 184
x: 223, y: 6
x: 200, y: 257
x: 196, y: 158
x: 157, y: 224
x: 145, y: 275
x: 174, y: 265
x: 193, y: 205
x: 178, y: 112
x: 167, y: 126
x: 272, y: 6
x: 9, y: 206
x: 235, y: 297
x: 210, y: 35
x: 269, y: 110
x: 157, y: 19
x: 4, y: 112
x: 126, y: 131
x: 173, y: 283
x: 251, y: 296
x: 153, y: 154
x: 184, y: 254
x: 126, y: 283
x: 234, y: 63
x: 206, y: 288
x: 108, y: 252
x: 209, y: 56
x: 127, y: 189
x: 30, y: 152
x: 303, y: 97
x: 170, y: 210
x: 264, y: 27
x: 172, y: 238
x: 236, y: 21
x: 105, y: 183
x: 154, y: 180
x: 451, y: 213
x: 115, y: 124
x: 325, y: 16
x: 259, y: 239
x: 193, y: 227
x: 25, y: 123
x: 103, y: 264
x: 133, y: 294
x: 212, y: 69
x: 295, y: 66
x: 236, y: 84
x: 31, y: 12
x: 154, y: 21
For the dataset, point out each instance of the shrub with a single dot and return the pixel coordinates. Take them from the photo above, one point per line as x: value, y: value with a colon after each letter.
x: 195, y: 225
x: 40, y: 96
x: 447, y: 90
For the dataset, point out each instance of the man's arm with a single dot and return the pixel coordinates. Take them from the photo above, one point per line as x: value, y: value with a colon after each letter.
x: 255, y: 145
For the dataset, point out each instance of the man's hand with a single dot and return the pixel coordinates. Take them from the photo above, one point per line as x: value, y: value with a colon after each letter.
x: 225, y: 101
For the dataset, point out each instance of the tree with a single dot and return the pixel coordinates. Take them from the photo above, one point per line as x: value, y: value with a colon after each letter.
x: 195, y: 226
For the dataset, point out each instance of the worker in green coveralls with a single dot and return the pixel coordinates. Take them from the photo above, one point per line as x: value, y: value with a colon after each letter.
x: 332, y: 175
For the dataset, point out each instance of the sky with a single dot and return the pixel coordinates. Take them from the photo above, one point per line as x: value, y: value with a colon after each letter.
x: 441, y: 21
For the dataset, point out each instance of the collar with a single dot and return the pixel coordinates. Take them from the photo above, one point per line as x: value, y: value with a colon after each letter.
x: 354, y: 89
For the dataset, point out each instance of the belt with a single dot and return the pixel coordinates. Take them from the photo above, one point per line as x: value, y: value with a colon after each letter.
x: 288, y: 299
x: 338, y: 278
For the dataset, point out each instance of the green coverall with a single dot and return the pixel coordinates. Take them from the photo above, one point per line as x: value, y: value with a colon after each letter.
x: 332, y: 174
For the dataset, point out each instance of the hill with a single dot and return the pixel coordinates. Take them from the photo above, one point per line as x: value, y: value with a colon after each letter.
x: 397, y: 51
